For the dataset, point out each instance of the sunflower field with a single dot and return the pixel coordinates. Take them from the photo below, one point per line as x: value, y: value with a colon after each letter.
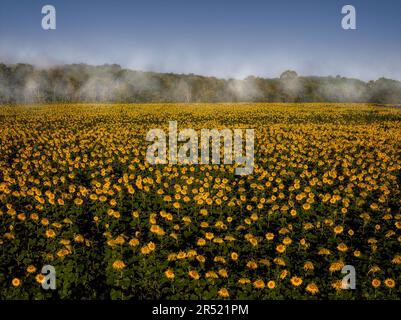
x: 77, y: 193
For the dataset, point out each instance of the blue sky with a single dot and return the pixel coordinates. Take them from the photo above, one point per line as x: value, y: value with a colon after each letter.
x: 230, y: 38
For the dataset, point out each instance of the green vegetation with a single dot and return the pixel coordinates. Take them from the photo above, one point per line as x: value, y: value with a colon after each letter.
x: 23, y: 83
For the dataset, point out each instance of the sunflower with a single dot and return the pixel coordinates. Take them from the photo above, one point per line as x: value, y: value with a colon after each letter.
x: 396, y: 260
x: 39, y: 278
x: 31, y: 269
x: 280, y: 248
x: 338, y: 229
x: 244, y: 281
x: 133, y: 242
x: 259, y: 284
x: 79, y: 238
x: 169, y: 274
x: 223, y: 273
x: 336, y: 266
x: 312, y: 288
x: 296, y: 281
x: 194, y: 274
x: 287, y: 241
x: 211, y: 275
x: 200, y: 258
x: 50, y: 233
x: 342, y: 247
x: 223, y: 292
x: 376, y: 283
x: 338, y: 285
x: 271, y: 284
x: 269, y: 236
x: 145, y: 250
x: 78, y: 201
x: 390, y: 283
x: 252, y: 265
x: 118, y: 265
x: 283, y: 274
x: 152, y: 246
x: 16, y: 282
x: 308, y: 266
x: 234, y: 256
x: 209, y: 235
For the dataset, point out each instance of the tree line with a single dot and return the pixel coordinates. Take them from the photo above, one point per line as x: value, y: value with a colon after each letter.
x: 24, y: 83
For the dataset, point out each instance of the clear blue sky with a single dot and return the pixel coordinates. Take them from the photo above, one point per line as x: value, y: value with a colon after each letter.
x: 230, y: 38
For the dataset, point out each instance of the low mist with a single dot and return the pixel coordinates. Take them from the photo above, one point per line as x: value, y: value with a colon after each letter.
x: 24, y: 83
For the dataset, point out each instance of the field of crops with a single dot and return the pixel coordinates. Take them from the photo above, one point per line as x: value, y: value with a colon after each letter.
x: 77, y: 193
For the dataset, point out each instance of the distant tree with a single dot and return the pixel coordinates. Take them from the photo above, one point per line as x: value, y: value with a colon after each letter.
x: 288, y: 75
x: 21, y: 83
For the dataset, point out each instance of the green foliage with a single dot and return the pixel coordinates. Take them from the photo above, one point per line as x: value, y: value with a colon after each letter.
x: 23, y: 83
